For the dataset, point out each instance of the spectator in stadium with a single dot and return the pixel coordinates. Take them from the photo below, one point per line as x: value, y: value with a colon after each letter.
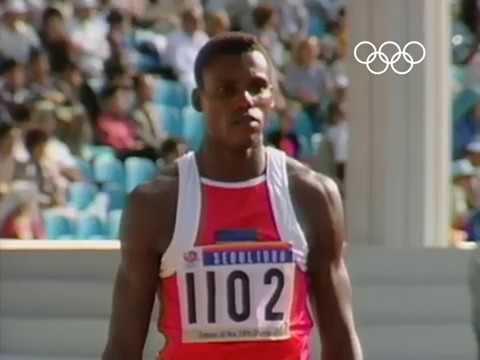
x: 293, y: 16
x: 285, y: 137
x: 462, y: 198
x: 77, y: 91
x: 148, y: 120
x: 17, y: 37
x: 89, y: 35
x: 52, y: 186
x: 7, y: 158
x: 42, y: 84
x: 23, y: 221
x: 337, y: 136
x: 13, y: 90
x: 115, y: 127
x: 55, y: 39
x: 163, y: 15
x: 465, y: 130
x: 57, y: 151
x: 306, y: 78
x: 266, y: 22
x: 171, y: 150
x: 183, y: 46
x: 118, y: 72
x: 216, y: 22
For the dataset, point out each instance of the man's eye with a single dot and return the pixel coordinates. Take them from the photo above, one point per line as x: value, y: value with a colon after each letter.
x: 258, y: 89
x: 227, y: 91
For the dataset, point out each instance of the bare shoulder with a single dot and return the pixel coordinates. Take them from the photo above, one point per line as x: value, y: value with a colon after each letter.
x: 306, y: 183
x: 150, y: 213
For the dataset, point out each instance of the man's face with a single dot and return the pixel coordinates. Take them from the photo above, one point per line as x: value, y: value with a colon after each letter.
x: 236, y: 97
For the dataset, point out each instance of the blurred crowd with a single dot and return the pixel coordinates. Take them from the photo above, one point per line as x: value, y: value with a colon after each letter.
x: 465, y: 174
x: 94, y: 98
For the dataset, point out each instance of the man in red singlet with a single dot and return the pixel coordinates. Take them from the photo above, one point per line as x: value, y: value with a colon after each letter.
x: 242, y: 245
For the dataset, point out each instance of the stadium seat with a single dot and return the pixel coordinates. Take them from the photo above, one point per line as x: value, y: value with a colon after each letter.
x: 85, y: 168
x: 172, y: 120
x: 108, y: 169
x: 81, y: 195
x: 90, y: 152
x: 303, y: 125
x: 114, y: 219
x: 138, y: 171
x: 193, y: 127
x: 464, y: 102
x: 116, y: 196
x: 90, y: 227
x: 317, y: 26
x: 58, y: 226
x: 170, y: 93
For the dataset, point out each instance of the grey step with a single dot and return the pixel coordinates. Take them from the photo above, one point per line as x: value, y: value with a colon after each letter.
x: 62, y: 337
x: 55, y: 298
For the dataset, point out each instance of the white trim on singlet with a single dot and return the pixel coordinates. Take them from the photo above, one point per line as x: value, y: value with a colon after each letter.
x: 189, y: 208
x: 187, y: 214
x: 234, y: 185
x: 282, y: 205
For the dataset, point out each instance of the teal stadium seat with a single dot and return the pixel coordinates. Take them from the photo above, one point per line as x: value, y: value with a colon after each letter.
x: 193, y: 127
x: 170, y: 93
x: 317, y: 26
x: 116, y: 196
x: 85, y: 168
x: 81, y: 195
x: 114, y: 220
x: 138, y: 171
x: 107, y: 169
x: 172, y: 120
x: 90, y: 227
x: 58, y: 226
x: 464, y: 102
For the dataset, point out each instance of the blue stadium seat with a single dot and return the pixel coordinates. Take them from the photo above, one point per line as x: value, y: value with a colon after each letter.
x: 464, y: 102
x: 90, y: 227
x: 138, y: 171
x: 116, y: 196
x: 317, y: 26
x: 170, y: 93
x: 108, y: 169
x: 81, y: 195
x: 172, y: 120
x: 90, y: 152
x: 58, y: 226
x: 85, y: 168
x: 193, y: 127
x: 114, y: 220
x: 303, y: 125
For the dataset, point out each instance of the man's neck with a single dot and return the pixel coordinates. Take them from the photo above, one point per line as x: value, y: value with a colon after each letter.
x: 231, y: 165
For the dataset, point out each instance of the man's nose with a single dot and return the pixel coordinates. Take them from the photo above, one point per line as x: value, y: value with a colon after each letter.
x: 244, y: 100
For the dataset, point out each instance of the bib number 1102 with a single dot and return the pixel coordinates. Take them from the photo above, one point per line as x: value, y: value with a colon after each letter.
x: 237, y: 282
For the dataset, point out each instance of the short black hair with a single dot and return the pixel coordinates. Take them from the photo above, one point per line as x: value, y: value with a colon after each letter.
x: 34, y: 138
x: 6, y: 127
x: 8, y: 65
x: 227, y: 43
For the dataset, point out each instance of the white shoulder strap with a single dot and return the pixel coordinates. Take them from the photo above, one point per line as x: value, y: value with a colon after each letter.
x: 283, y: 211
x: 187, y: 215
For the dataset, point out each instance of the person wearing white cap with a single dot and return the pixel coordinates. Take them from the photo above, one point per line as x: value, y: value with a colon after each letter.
x: 17, y: 38
x: 88, y: 33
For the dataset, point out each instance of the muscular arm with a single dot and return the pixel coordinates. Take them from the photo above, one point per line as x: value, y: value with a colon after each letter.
x: 143, y: 224
x: 331, y: 289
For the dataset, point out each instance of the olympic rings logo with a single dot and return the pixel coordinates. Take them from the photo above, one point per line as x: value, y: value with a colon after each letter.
x: 393, y: 60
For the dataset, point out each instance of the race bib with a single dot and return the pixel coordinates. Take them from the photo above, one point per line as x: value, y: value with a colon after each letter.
x: 236, y: 292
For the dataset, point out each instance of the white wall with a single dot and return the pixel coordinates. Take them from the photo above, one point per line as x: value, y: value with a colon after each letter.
x: 410, y: 304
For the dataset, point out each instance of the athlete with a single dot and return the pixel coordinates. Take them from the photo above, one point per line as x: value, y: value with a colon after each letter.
x: 242, y: 245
